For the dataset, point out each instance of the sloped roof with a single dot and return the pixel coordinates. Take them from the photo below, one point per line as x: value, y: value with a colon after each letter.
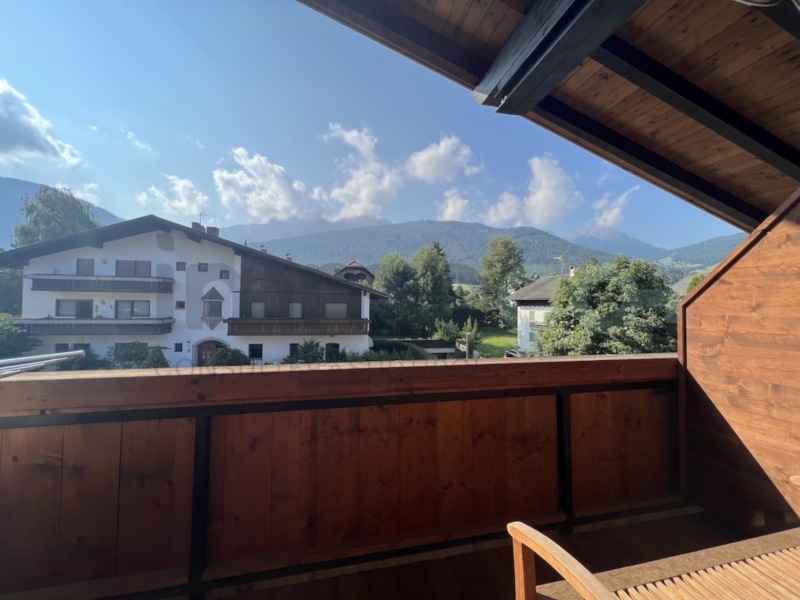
x: 19, y: 257
x: 699, y: 98
x: 542, y: 289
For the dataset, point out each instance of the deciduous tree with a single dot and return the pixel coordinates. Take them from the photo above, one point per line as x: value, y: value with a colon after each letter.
x: 53, y: 213
x: 502, y: 274
x: 397, y: 278
x: 434, y: 286
x: 622, y: 307
x: 14, y: 341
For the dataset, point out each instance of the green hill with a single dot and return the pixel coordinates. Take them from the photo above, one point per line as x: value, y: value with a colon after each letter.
x: 703, y: 254
x: 464, y: 243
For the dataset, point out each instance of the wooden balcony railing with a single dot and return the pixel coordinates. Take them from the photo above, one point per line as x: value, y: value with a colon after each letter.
x: 95, y: 326
x: 187, y: 480
x: 100, y: 283
x: 252, y: 326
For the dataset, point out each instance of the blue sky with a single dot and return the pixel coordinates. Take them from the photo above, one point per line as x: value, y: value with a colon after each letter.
x: 250, y: 110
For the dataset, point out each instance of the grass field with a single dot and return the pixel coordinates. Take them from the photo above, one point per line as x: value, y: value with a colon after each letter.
x: 496, y: 341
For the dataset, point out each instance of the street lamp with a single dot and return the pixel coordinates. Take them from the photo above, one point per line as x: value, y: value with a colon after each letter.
x: 467, y: 334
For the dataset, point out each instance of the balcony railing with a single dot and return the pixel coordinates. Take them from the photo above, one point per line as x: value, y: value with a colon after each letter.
x: 99, y: 283
x: 186, y: 480
x: 95, y: 326
x: 297, y: 326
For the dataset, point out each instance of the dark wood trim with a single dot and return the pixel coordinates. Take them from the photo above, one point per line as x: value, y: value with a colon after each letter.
x: 785, y: 16
x: 520, y: 6
x: 564, y: 430
x: 706, y: 195
x: 200, y: 497
x: 392, y: 28
x: 666, y: 85
x: 553, y: 39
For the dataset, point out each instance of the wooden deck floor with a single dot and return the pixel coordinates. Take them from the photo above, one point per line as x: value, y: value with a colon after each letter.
x: 488, y: 574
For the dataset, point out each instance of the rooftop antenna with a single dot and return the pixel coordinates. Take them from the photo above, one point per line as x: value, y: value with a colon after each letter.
x: 201, y: 215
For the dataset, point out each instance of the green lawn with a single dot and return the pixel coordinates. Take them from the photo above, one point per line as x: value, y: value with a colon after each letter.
x: 495, y: 341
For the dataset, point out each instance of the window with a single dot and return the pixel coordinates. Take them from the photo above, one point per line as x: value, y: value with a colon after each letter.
x: 178, y: 347
x: 180, y: 304
x: 212, y: 303
x: 180, y: 266
x: 83, y: 347
x: 62, y: 347
x: 295, y: 310
x: 224, y: 274
x: 202, y: 267
x: 256, y: 351
x: 294, y: 349
x: 133, y: 268
x: 85, y: 266
x: 257, y: 310
x: 331, y: 352
x: 132, y: 309
x: 335, y: 310
x: 77, y: 309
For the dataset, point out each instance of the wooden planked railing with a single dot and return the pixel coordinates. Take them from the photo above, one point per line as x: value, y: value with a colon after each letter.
x: 135, y: 480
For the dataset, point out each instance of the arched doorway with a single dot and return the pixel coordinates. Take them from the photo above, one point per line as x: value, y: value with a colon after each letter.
x: 205, y: 351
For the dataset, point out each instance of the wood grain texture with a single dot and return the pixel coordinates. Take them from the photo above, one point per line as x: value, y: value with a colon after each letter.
x: 741, y: 359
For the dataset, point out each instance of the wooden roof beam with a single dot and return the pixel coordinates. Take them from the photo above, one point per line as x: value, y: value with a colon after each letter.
x: 706, y: 195
x: 666, y: 85
x: 552, y: 39
x: 396, y: 30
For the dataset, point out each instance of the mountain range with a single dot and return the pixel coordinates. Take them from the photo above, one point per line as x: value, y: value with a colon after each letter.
x: 323, y: 244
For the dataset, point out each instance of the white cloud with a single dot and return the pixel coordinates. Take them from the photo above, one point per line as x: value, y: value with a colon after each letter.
x: 454, y: 207
x: 197, y: 142
x: 608, y: 210
x: 24, y: 132
x: 260, y: 187
x: 605, y: 178
x: 507, y: 208
x: 551, y: 192
x: 182, y: 198
x: 442, y: 161
x: 88, y: 192
x: 551, y: 195
x: 137, y: 143
x: 92, y: 127
x: 370, y: 184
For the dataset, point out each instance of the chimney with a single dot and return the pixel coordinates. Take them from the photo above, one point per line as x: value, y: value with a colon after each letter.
x: 289, y: 256
x: 197, y: 227
x: 263, y: 248
x: 213, y: 231
x: 572, y: 271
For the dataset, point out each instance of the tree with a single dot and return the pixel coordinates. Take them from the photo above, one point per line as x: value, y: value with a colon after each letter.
x: 11, y: 291
x: 502, y: 274
x: 54, y: 213
x: 14, y: 341
x: 397, y: 278
x: 309, y: 351
x: 155, y: 359
x: 228, y: 356
x: 90, y: 362
x: 694, y: 281
x: 434, y: 286
x: 128, y: 355
x: 622, y: 307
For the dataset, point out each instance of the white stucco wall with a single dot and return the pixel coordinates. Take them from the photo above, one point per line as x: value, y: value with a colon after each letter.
x: 525, y: 316
x: 163, y: 250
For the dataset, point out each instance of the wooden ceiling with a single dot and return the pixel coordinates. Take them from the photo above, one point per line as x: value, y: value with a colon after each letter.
x: 700, y: 98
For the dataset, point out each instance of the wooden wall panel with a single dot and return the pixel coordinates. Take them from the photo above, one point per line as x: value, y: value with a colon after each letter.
x: 30, y: 488
x: 490, y: 498
x: 624, y: 448
x: 418, y: 466
x: 454, y: 462
x: 87, y: 545
x: 532, y: 456
x: 154, y: 495
x: 378, y: 470
x: 741, y: 353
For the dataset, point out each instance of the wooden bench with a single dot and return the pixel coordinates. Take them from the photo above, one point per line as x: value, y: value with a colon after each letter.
x: 767, y: 567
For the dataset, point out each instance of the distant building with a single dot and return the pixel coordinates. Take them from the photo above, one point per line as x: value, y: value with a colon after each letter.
x: 356, y: 273
x: 184, y: 289
x: 533, y: 302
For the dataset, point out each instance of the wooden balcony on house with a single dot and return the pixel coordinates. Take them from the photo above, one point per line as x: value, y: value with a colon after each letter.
x: 300, y: 326
x: 96, y: 326
x: 42, y: 282
x: 202, y: 480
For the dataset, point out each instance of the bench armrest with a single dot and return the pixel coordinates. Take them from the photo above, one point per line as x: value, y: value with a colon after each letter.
x: 527, y: 542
